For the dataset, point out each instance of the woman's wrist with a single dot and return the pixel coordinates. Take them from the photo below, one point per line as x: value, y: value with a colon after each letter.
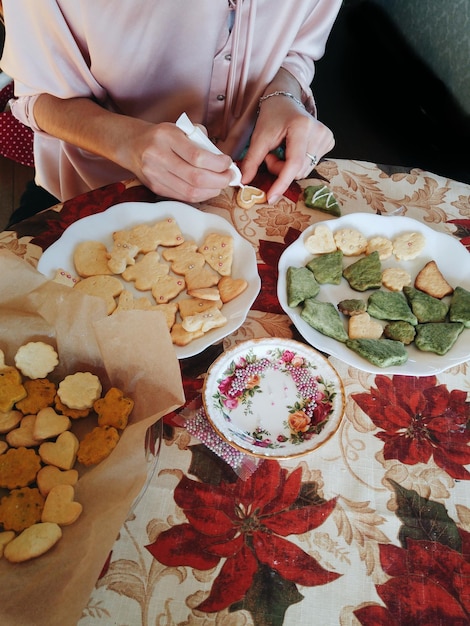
x: 281, y: 93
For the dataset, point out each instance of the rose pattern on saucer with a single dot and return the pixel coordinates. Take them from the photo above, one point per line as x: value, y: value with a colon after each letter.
x: 306, y: 414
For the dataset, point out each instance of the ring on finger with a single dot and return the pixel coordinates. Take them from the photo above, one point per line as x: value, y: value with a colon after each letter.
x: 313, y: 159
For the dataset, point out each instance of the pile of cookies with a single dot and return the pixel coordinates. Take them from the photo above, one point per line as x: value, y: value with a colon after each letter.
x: 396, y: 313
x: 39, y: 450
x: 189, y: 282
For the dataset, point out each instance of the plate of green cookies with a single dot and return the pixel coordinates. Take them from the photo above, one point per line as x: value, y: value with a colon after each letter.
x: 383, y: 294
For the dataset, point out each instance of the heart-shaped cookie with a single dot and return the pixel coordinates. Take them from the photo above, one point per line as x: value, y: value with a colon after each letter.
x: 230, y: 288
x: 62, y: 452
x: 60, y: 506
x: 321, y: 240
x: 9, y: 420
x: 24, y: 434
x: 49, y: 476
x: 49, y: 424
x: 363, y: 327
x: 248, y: 196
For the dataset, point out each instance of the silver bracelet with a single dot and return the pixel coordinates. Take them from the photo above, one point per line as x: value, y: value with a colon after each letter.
x: 280, y: 93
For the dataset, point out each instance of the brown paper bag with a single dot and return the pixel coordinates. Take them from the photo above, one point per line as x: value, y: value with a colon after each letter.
x: 131, y: 350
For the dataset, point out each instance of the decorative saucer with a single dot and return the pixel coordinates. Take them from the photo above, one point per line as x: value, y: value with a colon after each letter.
x: 273, y: 398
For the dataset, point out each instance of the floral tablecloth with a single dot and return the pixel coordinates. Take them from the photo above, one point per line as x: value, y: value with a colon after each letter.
x: 372, y: 528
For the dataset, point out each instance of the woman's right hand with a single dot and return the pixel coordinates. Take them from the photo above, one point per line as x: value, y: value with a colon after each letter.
x: 160, y: 155
x: 171, y: 165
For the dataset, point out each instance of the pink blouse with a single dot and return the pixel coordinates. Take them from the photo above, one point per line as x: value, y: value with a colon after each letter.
x: 153, y: 60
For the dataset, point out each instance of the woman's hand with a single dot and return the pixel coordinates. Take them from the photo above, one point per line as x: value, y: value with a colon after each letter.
x: 170, y: 164
x: 160, y: 155
x: 282, y: 121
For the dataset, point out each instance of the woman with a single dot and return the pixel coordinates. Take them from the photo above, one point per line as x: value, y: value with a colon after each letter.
x: 102, y: 84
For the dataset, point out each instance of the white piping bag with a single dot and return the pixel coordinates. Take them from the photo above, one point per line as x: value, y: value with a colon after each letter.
x: 197, y: 136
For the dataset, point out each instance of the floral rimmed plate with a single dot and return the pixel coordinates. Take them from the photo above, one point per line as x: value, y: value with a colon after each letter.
x: 273, y: 398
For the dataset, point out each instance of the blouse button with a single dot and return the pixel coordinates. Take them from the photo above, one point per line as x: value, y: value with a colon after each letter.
x: 228, y: 57
x: 221, y: 97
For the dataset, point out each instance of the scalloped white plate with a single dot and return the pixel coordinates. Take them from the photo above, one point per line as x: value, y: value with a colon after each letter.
x: 450, y: 255
x: 273, y: 397
x: 194, y: 224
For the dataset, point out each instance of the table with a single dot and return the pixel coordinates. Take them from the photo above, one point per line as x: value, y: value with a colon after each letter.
x: 372, y: 538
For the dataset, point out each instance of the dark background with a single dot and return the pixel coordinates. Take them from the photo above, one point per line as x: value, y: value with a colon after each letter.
x: 383, y: 103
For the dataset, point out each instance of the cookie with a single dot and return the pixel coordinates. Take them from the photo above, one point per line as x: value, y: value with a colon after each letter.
x: 218, y: 252
x: 184, y: 258
x: 72, y: 413
x: 300, y: 285
x: 430, y: 280
x: 380, y: 352
x: 62, y: 452
x: 390, y: 305
x: 147, y: 237
x: 206, y: 293
x: 382, y: 245
x: 97, y: 445
x: 365, y: 273
x: 60, y: 507
x: 212, y: 318
x: 90, y: 258
x: 49, y: 476
x: 408, y: 246
x: 79, y: 390
x: 146, y: 271
x: 9, y: 421
x: 230, y: 288
x: 49, y: 424
x: 104, y: 287
x: 327, y: 268
x: 400, y: 331
x: 113, y: 409
x: 192, y: 306
x: 32, y: 542
x: 248, y: 196
x: 352, y: 306
x: 21, y: 508
x: 167, y: 288
x: 65, y: 278
x: 121, y: 255
x: 169, y: 311
x: 23, y: 435
x: 459, y: 310
x: 127, y: 302
x: 40, y: 394
x: 395, y: 278
x: 320, y: 197
x: 436, y: 337
x: 11, y: 388
x: 5, y: 537
x: 18, y: 467
x: 324, y: 317
x: 426, y: 308
x: 181, y: 337
x: 363, y: 327
x: 321, y: 240
x: 350, y: 241
x: 201, y: 279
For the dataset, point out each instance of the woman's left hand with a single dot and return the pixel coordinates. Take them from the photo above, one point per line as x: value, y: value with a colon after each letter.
x: 283, y: 121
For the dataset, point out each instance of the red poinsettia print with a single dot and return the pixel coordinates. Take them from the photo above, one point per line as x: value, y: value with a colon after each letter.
x: 428, y: 585
x: 245, y: 524
x: 420, y: 419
